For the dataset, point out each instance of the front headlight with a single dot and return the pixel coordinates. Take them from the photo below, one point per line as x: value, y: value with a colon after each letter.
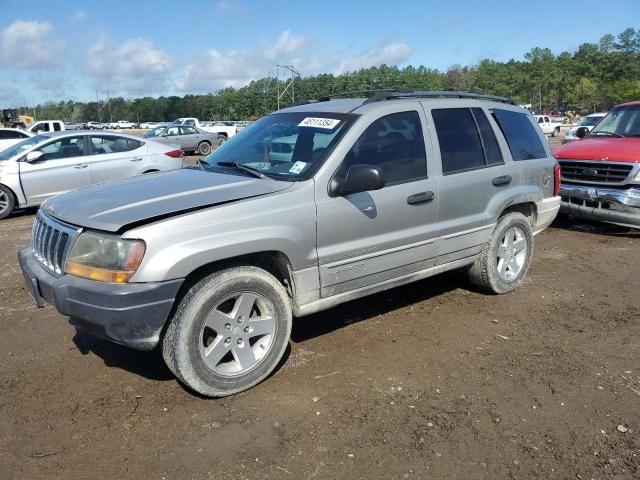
x: 105, y: 258
x: 637, y: 177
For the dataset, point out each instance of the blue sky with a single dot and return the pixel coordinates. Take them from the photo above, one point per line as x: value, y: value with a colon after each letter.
x: 54, y: 50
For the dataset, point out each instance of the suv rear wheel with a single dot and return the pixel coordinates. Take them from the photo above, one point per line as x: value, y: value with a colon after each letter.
x: 504, y: 261
x: 229, y: 332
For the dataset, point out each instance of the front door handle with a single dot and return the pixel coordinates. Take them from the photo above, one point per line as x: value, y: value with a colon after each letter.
x: 420, y: 198
x: 81, y: 165
x: 503, y: 180
x: 137, y: 159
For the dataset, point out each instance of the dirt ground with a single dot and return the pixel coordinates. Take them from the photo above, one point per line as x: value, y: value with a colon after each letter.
x: 431, y: 380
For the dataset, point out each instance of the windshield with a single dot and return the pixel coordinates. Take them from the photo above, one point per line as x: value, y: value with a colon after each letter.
x: 21, y: 147
x: 288, y: 146
x: 620, y: 122
x: 154, y: 132
x: 589, y: 121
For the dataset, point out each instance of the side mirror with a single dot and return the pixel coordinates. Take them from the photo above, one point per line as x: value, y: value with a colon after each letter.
x: 582, y: 132
x: 33, y: 156
x: 359, y: 178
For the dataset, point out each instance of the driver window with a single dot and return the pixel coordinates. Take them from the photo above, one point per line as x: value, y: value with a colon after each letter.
x: 395, y: 144
x: 63, y: 148
x: 173, y: 131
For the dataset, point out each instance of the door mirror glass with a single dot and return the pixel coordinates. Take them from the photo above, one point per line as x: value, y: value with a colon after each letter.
x: 359, y: 178
x: 34, y: 156
x: 582, y: 132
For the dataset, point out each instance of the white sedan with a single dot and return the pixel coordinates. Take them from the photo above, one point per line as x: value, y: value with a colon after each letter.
x: 11, y: 136
x: 52, y: 163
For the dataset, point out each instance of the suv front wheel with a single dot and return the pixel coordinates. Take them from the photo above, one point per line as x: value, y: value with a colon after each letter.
x: 229, y: 332
x: 504, y: 261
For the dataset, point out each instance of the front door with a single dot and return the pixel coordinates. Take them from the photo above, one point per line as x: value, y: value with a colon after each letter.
x: 62, y: 167
x: 370, y: 237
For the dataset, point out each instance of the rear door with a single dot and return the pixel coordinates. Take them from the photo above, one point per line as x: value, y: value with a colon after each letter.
x: 62, y: 167
x: 473, y: 173
x: 370, y: 237
x: 115, y: 156
x: 189, y: 138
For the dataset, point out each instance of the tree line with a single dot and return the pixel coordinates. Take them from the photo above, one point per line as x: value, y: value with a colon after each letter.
x: 593, y: 78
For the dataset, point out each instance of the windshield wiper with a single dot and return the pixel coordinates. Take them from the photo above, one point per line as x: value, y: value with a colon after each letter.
x: 253, y: 171
x: 608, y: 134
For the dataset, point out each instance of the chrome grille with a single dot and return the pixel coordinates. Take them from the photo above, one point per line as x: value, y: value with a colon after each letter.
x: 595, y: 172
x: 51, y: 241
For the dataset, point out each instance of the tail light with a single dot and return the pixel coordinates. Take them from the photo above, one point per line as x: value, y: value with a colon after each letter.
x: 174, y: 153
x: 556, y: 180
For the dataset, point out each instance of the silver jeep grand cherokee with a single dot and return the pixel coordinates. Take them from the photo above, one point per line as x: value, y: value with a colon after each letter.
x: 310, y: 207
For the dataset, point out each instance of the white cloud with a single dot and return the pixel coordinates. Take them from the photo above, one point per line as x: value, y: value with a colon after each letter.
x: 79, y: 16
x: 212, y: 70
x: 29, y: 44
x: 231, y: 6
x: 390, y: 53
x: 135, y: 67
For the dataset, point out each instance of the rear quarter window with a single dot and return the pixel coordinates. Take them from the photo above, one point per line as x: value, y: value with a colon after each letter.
x: 522, y: 138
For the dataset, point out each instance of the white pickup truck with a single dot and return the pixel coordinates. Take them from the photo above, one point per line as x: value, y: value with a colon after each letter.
x: 547, y: 126
x: 225, y: 131
x: 47, y: 126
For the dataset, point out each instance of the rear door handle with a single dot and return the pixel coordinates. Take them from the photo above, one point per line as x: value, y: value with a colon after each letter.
x: 420, y: 198
x: 81, y: 165
x: 137, y: 159
x: 503, y: 180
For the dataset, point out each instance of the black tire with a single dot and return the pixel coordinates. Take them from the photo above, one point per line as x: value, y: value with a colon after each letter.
x: 187, y: 333
x: 204, y: 148
x: 556, y: 131
x: 7, y: 202
x: 221, y: 139
x: 485, y: 273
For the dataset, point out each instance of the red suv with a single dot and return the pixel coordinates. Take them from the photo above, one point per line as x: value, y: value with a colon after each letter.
x: 601, y: 172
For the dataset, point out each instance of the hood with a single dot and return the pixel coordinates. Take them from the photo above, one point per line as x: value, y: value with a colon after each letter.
x: 606, y: 148
x: 113, y: 205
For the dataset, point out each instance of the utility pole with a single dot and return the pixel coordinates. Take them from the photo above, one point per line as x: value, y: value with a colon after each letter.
x: 290, y: 69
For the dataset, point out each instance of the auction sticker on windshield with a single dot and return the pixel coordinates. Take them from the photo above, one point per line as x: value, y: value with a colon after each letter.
x: 327, y: 123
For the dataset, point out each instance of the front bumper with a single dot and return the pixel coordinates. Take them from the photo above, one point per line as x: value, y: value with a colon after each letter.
x: 131, y: 314
x: 617, y: 206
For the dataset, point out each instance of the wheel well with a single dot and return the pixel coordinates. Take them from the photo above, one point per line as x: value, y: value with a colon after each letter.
x: 15, y: 197
x: 274, y: 262
x: 527, y: 209
x: 223, y: 134
x: 205, y: 141
x: 151, y: 171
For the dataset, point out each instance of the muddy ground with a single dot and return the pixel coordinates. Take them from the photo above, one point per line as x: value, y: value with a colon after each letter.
x: 431, y: 380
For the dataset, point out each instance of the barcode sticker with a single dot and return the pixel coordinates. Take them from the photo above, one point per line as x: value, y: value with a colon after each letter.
x: 326, y: 123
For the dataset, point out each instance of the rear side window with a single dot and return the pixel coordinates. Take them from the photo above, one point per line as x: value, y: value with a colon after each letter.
x: 492, y: 152
x: 460, y: 145
x: 521, y: 136
x: 112, y: 144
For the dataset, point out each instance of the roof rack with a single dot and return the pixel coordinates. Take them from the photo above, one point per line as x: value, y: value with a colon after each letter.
x: 353, y: 93
x: 395, y: 94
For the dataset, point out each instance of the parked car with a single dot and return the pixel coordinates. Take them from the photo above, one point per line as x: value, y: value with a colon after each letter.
x: 190, y: 139
x: 547, y: 125
x: 11, y: 136
x: 588, y: 122
x: 74, y: 126
x: 224, y: 130
x: 95, y: 126
x: 47, y: 126
x: 123, y: 124
x: 213, y: 262
x: 601, y: 172
x: 49, y: 164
